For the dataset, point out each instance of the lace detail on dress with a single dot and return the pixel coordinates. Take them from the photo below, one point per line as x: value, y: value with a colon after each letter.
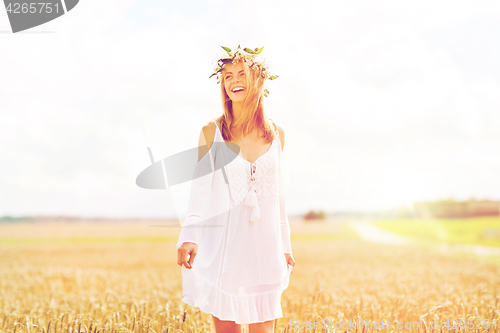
x: 264, y: 180
x: 238, y: 173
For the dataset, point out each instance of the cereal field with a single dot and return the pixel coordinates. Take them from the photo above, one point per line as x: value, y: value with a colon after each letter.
x: 124, y: 278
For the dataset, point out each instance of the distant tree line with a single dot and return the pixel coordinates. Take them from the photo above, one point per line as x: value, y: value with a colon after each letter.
x: 312, y: 215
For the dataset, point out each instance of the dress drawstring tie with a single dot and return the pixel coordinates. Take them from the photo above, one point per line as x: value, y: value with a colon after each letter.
x: 251, y: 200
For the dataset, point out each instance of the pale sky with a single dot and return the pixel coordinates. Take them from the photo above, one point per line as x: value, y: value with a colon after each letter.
x: 382, y: 102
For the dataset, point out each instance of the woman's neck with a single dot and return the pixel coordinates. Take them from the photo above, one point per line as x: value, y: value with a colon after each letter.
x: 237, y: 111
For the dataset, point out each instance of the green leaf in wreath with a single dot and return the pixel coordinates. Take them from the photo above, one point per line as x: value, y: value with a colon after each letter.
x: 260, y: 50
x: 239, y: 47
x: 227, y: 49
x: 273, y: 77
x: 247, y: 50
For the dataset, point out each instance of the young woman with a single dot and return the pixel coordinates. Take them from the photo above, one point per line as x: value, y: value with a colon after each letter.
x: 234, y: 247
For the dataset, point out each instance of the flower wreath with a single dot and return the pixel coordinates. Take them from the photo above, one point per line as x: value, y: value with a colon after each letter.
x: 251, y: 57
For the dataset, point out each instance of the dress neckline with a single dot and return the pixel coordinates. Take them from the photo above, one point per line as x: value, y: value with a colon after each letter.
x: 225, y: 144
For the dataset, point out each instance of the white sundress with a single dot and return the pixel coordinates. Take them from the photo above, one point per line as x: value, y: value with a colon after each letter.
x: 237, y: 216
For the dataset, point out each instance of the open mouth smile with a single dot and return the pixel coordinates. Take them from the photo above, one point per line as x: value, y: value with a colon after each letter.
x: 237, y: 90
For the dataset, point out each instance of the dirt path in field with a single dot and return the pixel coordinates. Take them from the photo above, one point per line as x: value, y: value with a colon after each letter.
x: 369, y: 232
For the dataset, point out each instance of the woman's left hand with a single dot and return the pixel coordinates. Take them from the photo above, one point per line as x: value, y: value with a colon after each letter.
x: 289, y: 260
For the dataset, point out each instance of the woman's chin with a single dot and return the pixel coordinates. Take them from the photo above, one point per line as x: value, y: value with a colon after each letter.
x: 238, y: 100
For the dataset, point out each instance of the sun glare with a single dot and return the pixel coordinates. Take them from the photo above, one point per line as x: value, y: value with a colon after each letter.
x: 399, y: 187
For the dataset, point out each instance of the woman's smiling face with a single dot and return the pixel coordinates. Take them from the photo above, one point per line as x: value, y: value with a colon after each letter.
x: 235, y: 81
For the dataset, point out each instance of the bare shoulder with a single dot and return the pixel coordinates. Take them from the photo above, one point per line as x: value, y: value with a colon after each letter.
x: 207, y: 135
x: 281, y: 132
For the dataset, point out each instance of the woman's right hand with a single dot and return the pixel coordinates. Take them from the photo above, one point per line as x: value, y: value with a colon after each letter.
x: 182, y: 254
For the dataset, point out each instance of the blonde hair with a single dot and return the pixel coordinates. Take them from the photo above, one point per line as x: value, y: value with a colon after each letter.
x: 254, y: 114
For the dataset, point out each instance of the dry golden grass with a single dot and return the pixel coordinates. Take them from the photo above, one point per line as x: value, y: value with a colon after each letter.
x: 135, y: 285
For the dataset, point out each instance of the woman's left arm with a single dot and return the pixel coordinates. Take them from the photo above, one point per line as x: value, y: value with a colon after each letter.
x: 285, y: 226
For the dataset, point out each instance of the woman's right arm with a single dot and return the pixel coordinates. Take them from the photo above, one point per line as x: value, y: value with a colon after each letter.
x: 198, y: 200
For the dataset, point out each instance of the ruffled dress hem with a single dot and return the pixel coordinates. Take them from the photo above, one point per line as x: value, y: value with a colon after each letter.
x: 249, y: 309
